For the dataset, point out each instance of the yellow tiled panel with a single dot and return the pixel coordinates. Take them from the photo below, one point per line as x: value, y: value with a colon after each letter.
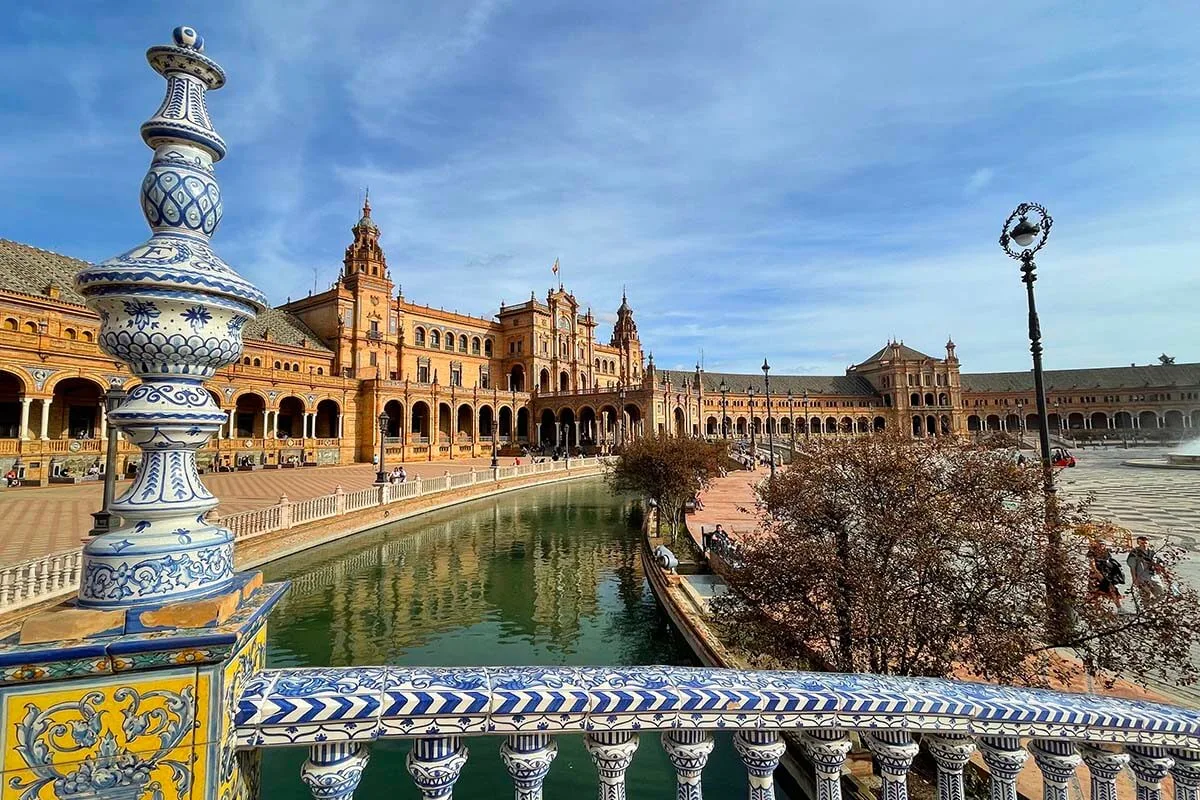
x: 125, y: 777
x: 98, y: 717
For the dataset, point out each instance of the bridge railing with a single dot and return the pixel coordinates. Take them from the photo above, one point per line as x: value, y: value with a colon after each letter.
x: 339, y: 712
x: 57, y: 574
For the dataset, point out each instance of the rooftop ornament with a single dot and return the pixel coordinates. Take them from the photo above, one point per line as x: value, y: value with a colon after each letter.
x: 173, y: 311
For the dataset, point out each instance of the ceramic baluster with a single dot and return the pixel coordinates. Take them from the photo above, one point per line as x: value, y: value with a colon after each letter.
x: 894, y: 752
x: 1104, y: 765
x: 1149, y: 764
x: 1057, y: 759
x: 435, y: 765
x: 760, y: 752
x: 688, y: 752
x: 612, y: 752
x: 951, y: 752
x: 173, y: 311
x: 1005, y: 758
x: 527, y: 757
x: 334, y: 769
x: 1186, y: 772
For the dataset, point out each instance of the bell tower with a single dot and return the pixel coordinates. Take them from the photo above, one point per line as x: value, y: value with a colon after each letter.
x: 368, y: 328
x: 625, y: 338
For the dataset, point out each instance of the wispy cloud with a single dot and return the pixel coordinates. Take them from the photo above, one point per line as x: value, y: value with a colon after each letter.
x: 767, y: 179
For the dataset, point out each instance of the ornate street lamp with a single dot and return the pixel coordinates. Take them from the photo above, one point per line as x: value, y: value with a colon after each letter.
x: 103, y: 518
x: 804, y: 402
x: 766, y: 368
x: 1028, y: 227
x: 381, y: 475
x: 753, y: 452
x: 724, y: 390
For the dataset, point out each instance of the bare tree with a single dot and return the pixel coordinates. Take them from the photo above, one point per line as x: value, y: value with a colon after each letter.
x: 927, y: 557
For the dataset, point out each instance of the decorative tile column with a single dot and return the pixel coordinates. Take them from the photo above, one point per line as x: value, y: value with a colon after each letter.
x: 131, y: 690
x: 173, y: 311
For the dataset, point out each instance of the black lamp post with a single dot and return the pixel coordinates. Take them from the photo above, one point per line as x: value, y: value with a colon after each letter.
x: 724, y: 390
x: 753, y: 451
x: 766, y: 368
x: 1021, y: 421
x: 102, y: 519
x: 804, y: 402
x: 381, y: 475
x: 1028, y: 228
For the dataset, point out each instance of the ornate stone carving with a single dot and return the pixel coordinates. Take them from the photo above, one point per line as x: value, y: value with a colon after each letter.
x: 173, y: 311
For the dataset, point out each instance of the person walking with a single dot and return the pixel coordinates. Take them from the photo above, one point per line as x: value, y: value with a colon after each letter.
x: 1144, y: 569
x: 1106, y: 573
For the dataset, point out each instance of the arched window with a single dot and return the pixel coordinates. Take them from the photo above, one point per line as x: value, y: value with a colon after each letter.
x: 278, y: 365
x: 258, y: 362
x: 449, y: 340
x: 320, y: 370
x: 88, y: 336
x: 435, y: 339
x: 70, y: 334
x: 487, y: 347
x: 462, y: 343
x: 597, y: 365
x: 419, y: 337
x: 10, y: 324
x: 246, y: 361
x: 30, y: 327
x: 475, y: 346
x: 295, y: 367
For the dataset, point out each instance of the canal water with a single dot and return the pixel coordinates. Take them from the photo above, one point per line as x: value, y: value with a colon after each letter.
x: 545, y: 576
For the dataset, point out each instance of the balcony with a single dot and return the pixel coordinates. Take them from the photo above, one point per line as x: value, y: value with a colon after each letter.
x: 339, y: 712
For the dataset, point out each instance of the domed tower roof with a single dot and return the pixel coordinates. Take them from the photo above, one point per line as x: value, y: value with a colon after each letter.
x: 625, y: 328
x: 364, y: 255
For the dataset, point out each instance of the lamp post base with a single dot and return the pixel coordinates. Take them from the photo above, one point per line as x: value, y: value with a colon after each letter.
x: 101, y: 523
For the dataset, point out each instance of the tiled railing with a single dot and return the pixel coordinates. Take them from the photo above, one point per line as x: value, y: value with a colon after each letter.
x: 57, y: 574
x: 339, y: 712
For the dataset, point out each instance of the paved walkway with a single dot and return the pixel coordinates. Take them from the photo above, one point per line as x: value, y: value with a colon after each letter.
x: 728, y: 501
x: 35, y: 521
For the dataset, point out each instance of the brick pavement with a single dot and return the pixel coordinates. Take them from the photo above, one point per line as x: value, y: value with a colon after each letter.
x: 728, y: 501
x: 35, y: 521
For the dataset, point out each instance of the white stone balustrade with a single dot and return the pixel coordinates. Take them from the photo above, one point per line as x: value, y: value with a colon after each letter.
x: 440, y: 708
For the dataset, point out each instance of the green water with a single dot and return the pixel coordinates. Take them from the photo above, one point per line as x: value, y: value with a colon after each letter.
x: 547, y: 576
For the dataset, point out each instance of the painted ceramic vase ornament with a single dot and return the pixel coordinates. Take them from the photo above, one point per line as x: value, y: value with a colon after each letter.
x: 173, y: 311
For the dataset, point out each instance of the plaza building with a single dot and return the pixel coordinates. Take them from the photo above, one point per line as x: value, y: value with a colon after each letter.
x: 323, y: 376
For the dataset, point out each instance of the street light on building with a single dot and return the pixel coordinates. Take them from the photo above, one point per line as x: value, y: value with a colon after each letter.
x: 381, y: 475
x: 724, y: 390
x: 1028, y: 227
x: 804, y: 402
x: 766, y: 368
x: 102, y: 519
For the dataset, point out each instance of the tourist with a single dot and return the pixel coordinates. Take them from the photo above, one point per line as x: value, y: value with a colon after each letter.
x: 1107, y: 575
x: 1145, y: 569
x: 11, y: 478
x: 401, y: 475
x: 94, y: 470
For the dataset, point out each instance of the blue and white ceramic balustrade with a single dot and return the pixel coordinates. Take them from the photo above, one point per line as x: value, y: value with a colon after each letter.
x: 173, y: 311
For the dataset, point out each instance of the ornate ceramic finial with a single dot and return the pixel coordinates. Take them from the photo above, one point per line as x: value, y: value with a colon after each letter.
x: 173, y: 311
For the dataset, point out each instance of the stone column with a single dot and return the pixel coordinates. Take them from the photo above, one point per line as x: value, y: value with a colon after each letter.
x: 45, y: 434
x: 266, y: 423
x: 339, y: 425
x: 103, y: 421
x: 232, y: 424
x: 333, y: 771
x: 25, y: 401
x: 760, y: 751
x: 527, y: 757
x: 612, y: 753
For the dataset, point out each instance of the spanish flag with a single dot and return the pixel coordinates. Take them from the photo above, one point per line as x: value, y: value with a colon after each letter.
x: 554, y: 269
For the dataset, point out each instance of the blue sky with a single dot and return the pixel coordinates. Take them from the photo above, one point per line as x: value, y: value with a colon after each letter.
x: 792, y: 180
